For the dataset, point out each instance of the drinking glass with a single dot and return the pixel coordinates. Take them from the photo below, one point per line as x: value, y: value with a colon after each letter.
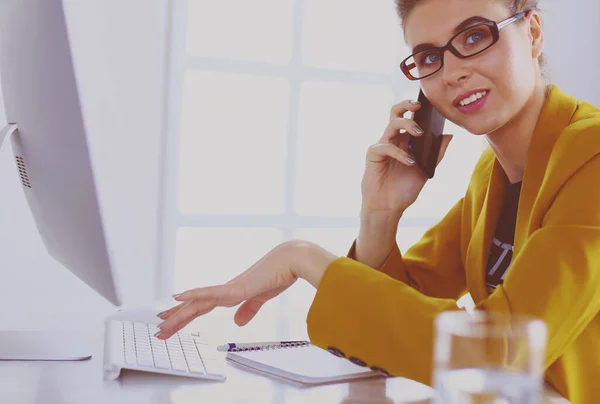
x: 487, y: 358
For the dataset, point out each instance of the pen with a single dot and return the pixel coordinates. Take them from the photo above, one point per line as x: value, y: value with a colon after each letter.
x: 259, y: 345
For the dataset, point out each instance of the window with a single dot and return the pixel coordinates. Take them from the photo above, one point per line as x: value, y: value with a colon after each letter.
x: 273, y: 104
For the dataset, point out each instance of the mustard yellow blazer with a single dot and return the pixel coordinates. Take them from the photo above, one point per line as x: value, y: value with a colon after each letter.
x: 384, y: 318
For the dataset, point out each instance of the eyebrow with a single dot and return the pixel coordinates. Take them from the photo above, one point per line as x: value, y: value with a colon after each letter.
x: 465, y: 24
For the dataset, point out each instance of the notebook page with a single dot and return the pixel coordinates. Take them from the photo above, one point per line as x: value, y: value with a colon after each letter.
x: 305, y: 364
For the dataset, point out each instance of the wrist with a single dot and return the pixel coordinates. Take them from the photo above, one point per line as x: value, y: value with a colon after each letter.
x: 310, y: 261
x: 379, y: 217
x: 376, y: 238
x: 381, y: 225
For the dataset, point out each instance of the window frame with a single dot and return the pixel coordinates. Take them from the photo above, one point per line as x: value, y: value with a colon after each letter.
x: 179, y: 61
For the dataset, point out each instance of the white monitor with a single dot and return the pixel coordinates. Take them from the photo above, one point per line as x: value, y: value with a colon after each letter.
x: 51, y: 147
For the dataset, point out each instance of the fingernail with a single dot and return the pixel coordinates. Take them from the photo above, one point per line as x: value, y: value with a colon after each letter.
x: 409, y: 159
x: 157, y: 334
x: 162, y: 313
x: 414, y: 102
x: 176, y: 295
x: 418, y: 130
x: 161, y: 324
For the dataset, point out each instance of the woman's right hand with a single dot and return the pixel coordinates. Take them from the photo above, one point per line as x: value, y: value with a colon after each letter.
x: 392, y: 182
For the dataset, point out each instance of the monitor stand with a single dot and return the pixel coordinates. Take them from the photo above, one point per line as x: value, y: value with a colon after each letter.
x: 6, y: 132
x: 44, y: 345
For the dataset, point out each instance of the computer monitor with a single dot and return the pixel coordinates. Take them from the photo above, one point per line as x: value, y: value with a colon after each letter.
x: 51, y: 148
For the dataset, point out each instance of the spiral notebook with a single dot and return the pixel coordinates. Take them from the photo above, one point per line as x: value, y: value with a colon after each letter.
x: 302, y: 363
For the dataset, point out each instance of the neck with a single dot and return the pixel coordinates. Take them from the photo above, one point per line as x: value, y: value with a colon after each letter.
x: 510, y: 143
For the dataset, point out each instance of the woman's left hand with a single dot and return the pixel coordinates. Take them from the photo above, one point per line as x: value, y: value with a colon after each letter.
x: 266, y: 279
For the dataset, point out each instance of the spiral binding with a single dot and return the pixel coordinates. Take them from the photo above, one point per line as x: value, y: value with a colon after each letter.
x: 283, y: 345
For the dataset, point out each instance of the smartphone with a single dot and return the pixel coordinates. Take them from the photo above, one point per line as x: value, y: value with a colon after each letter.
x: 425, y: 149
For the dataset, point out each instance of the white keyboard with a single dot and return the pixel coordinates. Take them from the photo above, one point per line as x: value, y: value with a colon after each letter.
x: 132, y: 345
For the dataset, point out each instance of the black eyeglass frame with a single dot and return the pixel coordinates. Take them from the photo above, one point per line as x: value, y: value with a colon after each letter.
x: 495, y: 29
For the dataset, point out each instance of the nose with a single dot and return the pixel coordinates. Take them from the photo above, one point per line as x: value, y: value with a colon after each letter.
x: 455, y: 70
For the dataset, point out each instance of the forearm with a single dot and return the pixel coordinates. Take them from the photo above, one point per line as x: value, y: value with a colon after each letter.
x: 376, y: 238
x: 310, y: 261
x: 395, y: 322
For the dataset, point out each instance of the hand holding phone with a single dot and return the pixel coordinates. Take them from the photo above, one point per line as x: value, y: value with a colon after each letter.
x: 425, y: 149
x: 391, y: 182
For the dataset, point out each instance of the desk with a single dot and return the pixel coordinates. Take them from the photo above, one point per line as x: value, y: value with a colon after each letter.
x: 82, y: 382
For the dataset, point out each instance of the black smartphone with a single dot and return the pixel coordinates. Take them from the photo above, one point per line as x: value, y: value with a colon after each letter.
x: 426, y: 148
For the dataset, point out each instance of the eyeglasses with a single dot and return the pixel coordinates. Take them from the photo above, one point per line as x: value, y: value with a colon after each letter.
x: 467, y: 43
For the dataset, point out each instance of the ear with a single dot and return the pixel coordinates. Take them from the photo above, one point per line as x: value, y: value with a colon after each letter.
x: 536, y: 34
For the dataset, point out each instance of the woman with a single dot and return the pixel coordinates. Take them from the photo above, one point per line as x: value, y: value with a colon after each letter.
x: 376, y: 307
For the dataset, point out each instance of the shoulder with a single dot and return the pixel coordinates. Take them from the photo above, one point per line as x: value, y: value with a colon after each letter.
x: 578, y: 144
x: 571, y: 181
x: 584, y: 126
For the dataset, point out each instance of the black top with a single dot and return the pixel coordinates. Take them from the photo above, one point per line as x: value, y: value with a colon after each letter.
x: 501, y: 250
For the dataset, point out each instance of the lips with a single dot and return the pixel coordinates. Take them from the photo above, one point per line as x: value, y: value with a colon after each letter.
x: 474, y: 106
x: 468, y: 94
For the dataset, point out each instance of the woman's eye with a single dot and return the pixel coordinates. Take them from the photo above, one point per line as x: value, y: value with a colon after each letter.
x: 474, y: 38
x: 430, y: 58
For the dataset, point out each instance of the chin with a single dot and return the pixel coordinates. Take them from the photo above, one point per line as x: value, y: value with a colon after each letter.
x: 478, y: 131
x: 484, y: 127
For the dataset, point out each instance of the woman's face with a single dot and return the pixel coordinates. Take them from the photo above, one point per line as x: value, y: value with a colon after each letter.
x: 507, y: 70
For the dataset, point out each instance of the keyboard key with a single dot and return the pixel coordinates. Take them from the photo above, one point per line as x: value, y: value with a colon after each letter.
x: 158, y: 343
x: 199, y: 340
x: 144, y: 361
x: 162, y: 363
x: 130, y: 357
x: 143, y: 354
x: 160, y: 352
x: 197, y: 368
x: 141, y: 351
x: 188, y: 345
x: 175, y: 353
x: 179, y: 365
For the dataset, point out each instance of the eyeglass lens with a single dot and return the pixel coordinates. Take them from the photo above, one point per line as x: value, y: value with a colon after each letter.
x: 467, y: 43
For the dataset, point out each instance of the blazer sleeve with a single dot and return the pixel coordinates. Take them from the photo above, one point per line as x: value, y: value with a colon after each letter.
x: 434, y: 265
x: 388, y: 325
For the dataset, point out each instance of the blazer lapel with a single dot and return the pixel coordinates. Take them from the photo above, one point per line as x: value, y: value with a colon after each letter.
x: 554, y: 118
x: 479, y: 248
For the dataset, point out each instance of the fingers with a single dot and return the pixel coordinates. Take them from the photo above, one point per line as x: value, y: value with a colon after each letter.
x: 249, y: 308
x: 445, y: 142
x: 168, y: 313
x: 226, y: 295
x: 198, y: 302
x: 400, y: 125
x: 380, y: 151
x: 247, y: 311
x: 403, y: 107
x: 388, y: 145
x: 183, y: 317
